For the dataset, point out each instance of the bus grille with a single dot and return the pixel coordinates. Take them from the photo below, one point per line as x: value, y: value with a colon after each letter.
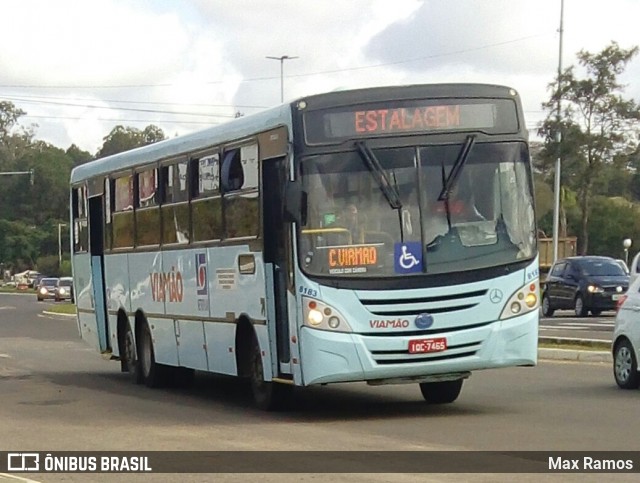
x: 417, y: 305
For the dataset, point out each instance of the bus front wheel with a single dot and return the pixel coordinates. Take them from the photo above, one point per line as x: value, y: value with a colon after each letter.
x: 268, y: 396
x: 442, y: 392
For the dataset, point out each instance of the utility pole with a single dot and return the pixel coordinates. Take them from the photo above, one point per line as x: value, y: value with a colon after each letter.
x: 282, y: 58
x: 556, y: 204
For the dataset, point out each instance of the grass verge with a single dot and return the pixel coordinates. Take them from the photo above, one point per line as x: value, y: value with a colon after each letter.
x: 62, y: 308
x: 577, y: 344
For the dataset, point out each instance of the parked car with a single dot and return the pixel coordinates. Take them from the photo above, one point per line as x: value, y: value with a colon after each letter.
x: 36, y: 280
x: 584, y: 284
x: 626, y: 339
x: 64, y: 289
x: 46, y: 288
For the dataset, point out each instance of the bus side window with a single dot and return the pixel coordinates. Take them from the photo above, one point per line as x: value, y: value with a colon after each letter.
x: 206, y: 202
x: 109, y: 204
x: 147, y: 209
x: 175, y: 203
x: 240, y: 176
x: 122, y: 218
x: 79, y: 211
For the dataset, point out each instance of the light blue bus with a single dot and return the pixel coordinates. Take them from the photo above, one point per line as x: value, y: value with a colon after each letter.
x: 384, y: 235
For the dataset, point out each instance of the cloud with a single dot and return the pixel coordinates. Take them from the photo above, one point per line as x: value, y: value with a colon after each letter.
x: 208, y: 57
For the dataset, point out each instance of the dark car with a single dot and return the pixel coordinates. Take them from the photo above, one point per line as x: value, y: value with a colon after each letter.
x: 64, y: 289
x: 584, y: 284
x: 46, y: 289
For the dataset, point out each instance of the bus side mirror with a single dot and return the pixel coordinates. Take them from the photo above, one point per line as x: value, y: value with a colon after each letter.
x: 295, y: 203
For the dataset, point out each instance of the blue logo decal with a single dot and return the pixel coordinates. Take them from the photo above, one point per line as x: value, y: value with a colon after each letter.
x: 201, y: 273
x: 424, y: 321
x: 408, y: 257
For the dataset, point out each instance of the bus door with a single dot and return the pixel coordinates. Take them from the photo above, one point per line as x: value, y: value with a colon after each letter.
x: 96, y: 248
x: 277, y: 246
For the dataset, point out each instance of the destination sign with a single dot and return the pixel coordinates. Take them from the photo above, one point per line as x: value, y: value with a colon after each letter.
x: 409, y: 117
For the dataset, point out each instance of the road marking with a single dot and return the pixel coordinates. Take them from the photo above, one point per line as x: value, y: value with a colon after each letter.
x: 7, y: 307
x: 5, y: 356
x: 17, y: 478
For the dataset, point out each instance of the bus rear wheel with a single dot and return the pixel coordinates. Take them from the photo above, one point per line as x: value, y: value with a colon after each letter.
x: 130, y: 355
x: 268, y: 396
x: 442, y: 392
x: 153, y: 374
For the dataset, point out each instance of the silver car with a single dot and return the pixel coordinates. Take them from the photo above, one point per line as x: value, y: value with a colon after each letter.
x: 626, y: 339
x: 46, y: 289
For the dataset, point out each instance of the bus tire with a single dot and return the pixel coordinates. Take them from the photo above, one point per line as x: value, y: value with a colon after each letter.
x: 130, y: 354
x: 268, y: 396
x: 153, y: 374
x: 442, y: 392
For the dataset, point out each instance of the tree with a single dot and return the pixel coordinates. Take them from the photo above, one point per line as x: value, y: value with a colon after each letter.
x: 78, y: 156
x: 123, y: 138
x: 9, y: 115
x: 597, y: 125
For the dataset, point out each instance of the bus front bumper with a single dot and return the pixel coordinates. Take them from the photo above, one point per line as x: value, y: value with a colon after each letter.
x: 328, y: 357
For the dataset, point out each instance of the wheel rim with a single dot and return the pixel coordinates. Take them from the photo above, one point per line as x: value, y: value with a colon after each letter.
x: 545, y: 305
x: 623, y: 364
x: 129, y: 348
x: 579, y: 306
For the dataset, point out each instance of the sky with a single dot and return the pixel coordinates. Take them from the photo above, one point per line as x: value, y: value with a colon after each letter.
x: 79, y: 68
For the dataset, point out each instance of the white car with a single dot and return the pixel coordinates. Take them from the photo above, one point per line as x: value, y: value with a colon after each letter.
x: 634, y: 268
x: 626, y: 339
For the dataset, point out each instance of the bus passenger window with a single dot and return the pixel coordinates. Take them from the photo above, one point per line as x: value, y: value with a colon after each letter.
x: 240, y: 175
x: 206, y: 204
x: 175, y: 206
x: 232, y: 173
x: 122, y: 218
x: 80, y: 229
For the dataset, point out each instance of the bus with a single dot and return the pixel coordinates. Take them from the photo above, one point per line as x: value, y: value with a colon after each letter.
x: 382, y: 234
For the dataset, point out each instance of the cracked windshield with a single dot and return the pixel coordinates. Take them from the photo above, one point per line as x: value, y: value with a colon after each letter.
x: 419, y: 210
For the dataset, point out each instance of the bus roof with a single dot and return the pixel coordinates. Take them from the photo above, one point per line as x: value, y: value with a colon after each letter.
x: 188, y: 143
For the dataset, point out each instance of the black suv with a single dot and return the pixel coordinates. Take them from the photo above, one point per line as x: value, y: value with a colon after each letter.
x: 584, y: 284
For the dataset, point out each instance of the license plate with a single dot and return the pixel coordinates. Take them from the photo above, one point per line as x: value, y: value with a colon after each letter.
x: 616, y: 296
x: 421, y: 346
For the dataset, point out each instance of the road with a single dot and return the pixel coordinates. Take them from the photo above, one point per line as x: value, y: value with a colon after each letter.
x: 58, y: 394
x: 565, y: 324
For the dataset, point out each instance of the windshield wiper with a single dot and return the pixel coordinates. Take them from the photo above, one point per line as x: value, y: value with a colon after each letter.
x: 456, y: 170
x: 390, y: 192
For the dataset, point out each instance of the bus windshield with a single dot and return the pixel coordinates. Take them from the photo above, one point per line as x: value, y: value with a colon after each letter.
x: 482, y: 216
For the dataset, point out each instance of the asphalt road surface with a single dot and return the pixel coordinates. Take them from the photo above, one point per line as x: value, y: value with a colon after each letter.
x: 58, y: 394
x: 565, y: 324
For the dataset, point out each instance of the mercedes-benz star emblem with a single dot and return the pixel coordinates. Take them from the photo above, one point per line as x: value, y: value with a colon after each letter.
x: 495, y: 296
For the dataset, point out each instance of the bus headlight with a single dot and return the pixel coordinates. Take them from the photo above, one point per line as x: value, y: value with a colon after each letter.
x: 319, y: 315
x: 524, y: 300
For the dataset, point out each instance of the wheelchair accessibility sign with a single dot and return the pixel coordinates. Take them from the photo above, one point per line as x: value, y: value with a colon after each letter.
x: 408, y: 257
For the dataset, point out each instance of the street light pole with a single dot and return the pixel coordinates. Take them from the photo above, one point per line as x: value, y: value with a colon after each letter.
x: 556, y: 197
x: 282, y: 58
x: 626, y: 244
